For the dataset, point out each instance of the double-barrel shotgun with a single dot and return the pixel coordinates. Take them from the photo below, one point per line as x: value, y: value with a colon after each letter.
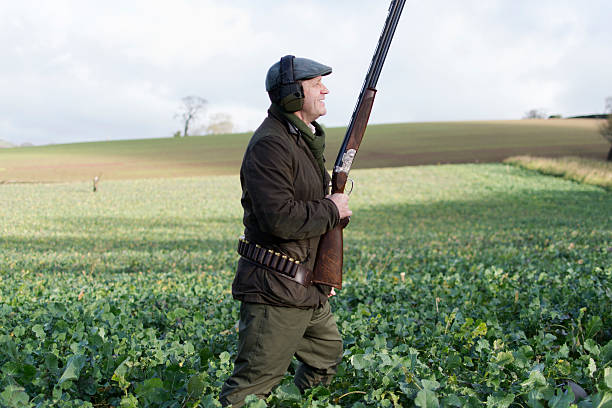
x: 328, y: 263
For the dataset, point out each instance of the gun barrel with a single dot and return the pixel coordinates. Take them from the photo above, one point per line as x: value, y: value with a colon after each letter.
x: 395, y: 11
x: 371, y: 79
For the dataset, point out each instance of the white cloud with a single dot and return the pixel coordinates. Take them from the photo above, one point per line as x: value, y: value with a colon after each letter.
x: 75, y: 71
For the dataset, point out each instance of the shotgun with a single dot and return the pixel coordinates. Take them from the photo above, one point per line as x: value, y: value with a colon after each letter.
x: 328, y: 263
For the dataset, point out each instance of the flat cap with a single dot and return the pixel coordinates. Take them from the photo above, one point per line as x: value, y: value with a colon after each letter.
x: 303, y: 68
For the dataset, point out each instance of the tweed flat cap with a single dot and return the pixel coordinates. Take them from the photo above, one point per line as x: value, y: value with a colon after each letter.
x: 303, y: 68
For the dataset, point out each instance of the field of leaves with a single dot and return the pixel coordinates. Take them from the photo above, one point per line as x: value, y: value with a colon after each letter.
x: 466, y: 285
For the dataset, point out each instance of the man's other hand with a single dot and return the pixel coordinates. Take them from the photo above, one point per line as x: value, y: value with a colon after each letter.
x: 341, y: 201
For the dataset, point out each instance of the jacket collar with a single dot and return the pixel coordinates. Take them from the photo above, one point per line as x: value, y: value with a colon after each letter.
x: 275, y: 112
x: 292, y: 127
x: 315, y: 140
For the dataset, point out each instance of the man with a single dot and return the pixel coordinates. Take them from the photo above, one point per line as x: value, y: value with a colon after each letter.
x: 286, y: 210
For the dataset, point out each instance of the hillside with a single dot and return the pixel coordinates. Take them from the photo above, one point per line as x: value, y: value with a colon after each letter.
x: 388, y: 145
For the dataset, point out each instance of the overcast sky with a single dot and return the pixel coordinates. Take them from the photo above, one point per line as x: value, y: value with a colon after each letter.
x: 88, y: 70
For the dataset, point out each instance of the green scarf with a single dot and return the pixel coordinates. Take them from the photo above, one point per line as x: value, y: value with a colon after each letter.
x: 316, y: 141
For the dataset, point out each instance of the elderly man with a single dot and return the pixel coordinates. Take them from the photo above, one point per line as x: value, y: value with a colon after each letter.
x: 286, y: 210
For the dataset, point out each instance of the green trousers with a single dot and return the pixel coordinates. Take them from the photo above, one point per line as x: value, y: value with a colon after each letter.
x: 269, y: 337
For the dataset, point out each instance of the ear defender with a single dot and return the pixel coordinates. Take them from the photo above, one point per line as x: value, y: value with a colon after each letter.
x: 291, y: 94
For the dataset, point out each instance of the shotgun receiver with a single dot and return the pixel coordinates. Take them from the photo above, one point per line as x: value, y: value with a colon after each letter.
x: 328, y: 263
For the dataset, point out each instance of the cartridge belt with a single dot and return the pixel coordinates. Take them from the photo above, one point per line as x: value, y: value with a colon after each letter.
x: 275, y: 261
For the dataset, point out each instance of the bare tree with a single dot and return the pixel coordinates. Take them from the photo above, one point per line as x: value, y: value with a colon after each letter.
x: 605, y: 129
x: 220, y: 123
x: 192, y: 107
x: 535, y: 114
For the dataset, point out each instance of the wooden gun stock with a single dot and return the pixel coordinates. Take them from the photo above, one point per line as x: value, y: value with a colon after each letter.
x: 328, y: 266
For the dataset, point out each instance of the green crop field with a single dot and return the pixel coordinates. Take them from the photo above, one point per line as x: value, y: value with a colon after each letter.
x: 383, y: 146
x: 465, y: 286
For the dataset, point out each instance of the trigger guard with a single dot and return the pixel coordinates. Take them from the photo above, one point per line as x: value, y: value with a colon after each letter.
x: 352, y: 185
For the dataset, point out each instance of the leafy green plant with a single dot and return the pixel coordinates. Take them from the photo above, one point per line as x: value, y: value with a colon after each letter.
x: 465, y: 286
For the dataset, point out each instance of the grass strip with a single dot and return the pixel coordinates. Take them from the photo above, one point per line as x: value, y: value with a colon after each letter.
x: 588, y: 171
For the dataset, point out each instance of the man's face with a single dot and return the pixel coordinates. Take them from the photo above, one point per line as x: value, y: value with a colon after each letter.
x: 314, y: 95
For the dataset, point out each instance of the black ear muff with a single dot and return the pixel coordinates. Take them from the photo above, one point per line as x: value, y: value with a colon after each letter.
x: 291, y: 94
